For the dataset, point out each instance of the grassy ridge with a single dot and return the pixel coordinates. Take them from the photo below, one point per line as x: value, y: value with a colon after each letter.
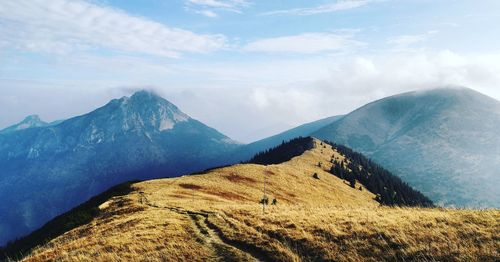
x: 217, y: 217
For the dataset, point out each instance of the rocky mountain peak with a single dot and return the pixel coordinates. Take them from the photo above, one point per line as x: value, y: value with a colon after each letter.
x: 28, y: 122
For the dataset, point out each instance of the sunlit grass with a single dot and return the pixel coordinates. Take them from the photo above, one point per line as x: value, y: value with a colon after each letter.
x: 315, y: 219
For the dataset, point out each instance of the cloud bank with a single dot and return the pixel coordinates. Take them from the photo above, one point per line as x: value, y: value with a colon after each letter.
x: 62, y: 26
x: 307, y: 43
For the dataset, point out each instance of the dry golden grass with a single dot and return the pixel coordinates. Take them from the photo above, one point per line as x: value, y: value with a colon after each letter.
x: 216, y: 216
x: 351, y: 234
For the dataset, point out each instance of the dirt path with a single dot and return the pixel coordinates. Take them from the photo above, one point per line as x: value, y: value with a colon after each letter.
x: 223, y: 249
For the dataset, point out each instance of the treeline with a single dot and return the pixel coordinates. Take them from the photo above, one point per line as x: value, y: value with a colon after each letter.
x: 389, y: 189
x: 284, y: 152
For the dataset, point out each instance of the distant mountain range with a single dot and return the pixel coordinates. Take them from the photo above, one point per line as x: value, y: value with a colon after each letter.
x: 443, y: 142
x: 29, y: 122
x: 48, y: 169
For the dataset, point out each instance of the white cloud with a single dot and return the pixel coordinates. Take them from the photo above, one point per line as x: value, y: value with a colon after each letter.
x: 61, y: 26
x: 326, y: 8
x: 207, y: 13
x: 227, y: 4
x: 210, y: 8
x: 407, y: 40
x: 307, y: 43
x: 295, y: 91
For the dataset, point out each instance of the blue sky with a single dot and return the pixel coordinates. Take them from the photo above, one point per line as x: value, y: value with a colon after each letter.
x: 248, y: 68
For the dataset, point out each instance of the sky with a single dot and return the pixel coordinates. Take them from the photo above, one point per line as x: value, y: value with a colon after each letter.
x: 249, y: 68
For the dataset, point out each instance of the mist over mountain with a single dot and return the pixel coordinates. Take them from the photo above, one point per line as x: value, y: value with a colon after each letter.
x: 50, y: 169
x: 443, y: 142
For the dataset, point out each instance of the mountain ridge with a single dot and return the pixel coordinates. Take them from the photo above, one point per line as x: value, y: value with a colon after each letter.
x: 317, y: 217
x: 245, y: 152
x: 140, y: 137
x: 448, y: 132
x: 145, y: 136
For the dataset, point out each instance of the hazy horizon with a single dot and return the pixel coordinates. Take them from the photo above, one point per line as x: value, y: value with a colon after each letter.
x: 250, y: 69
x: 256, y: 134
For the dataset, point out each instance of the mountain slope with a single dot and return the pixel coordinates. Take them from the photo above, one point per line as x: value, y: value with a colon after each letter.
x: 444, y: 142
x: 216, y: 216
x: 138, y: 137
x: 350, y: 166
x: 245, y: 152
